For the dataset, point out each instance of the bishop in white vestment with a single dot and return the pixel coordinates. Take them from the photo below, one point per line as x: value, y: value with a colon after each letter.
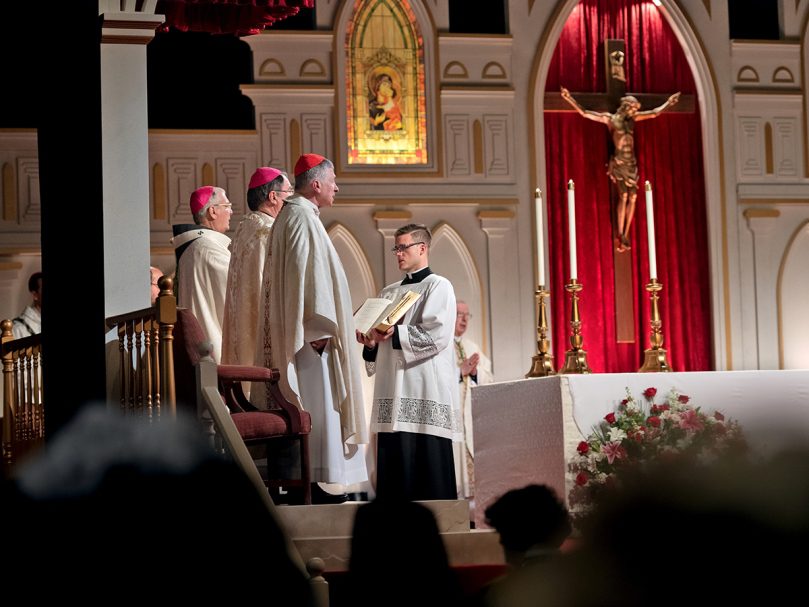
x: 310, y: 332
x: 203, y: 258
x: 267, y: 190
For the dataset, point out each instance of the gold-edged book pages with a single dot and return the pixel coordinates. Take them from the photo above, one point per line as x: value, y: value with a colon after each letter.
x: 382, y: 313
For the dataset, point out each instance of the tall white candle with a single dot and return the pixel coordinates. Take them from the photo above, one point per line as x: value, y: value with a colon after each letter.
x: 650, y: 230
x: 540, y: 238
x: 571, y: 225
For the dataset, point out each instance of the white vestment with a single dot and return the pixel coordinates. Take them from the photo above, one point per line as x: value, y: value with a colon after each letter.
x: 465, y: 451
x: 415, y: 388
x: 248, y: 252
x: 27, y: 323
x: 308, y: 299
x: 202, y: 276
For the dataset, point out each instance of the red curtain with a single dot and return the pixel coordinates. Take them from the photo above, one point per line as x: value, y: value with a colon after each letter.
x: 669, y: 152
x: 238, y: 17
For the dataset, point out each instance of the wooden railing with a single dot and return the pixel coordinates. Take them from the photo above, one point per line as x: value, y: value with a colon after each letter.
x: 23, y: 410
x: 144, y: 373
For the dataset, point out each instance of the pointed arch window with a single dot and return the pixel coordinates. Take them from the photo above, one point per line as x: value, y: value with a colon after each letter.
x: 385, y: 96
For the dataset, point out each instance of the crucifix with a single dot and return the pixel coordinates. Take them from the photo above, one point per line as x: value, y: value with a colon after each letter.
x: 623, y: 169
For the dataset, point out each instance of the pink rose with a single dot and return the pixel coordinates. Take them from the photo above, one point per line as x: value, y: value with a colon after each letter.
x: 650, y: 393
x: 610, y: 417
x: 653, y: 421
x: 583, y: 447
x: 582, y: 478
x: 683, y: 398
x: 718, y: 416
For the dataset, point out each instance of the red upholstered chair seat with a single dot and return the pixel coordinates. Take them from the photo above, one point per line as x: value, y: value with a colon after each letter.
x: 261, y: 424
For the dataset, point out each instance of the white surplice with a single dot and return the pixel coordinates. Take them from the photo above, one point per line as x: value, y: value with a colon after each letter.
x: 465, y: 451
x: 308, y: 299
x: 248, y: 253
x: 202, y: 275
x: 415, y: 388
x: 29, y: 322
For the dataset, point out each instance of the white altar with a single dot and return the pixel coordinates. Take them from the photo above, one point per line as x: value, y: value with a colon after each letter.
x: 526, y: 430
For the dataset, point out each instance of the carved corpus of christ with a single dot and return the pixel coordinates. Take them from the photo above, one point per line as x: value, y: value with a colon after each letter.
x: 623, y: 167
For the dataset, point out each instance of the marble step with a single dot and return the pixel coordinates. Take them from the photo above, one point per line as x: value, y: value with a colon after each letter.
x: 337, y: 520
x: 472, y: 547
x: 324, y: 531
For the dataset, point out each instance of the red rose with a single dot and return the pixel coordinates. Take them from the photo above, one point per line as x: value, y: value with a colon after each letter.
x: 610, y: 417
x: 663, y: 408
x: 623, y: 402
x: 653, y: 421
x: 582, y: 478
x: 655, y: 409
x: 683, y: 398
x: 650, y: 392
x: 583, y: 447
x: 718, y: 416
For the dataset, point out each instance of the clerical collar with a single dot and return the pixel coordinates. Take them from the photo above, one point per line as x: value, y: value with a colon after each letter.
x: 417, y: 276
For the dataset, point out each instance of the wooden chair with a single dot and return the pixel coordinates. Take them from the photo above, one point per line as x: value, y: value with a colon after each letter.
x: 283, y: 423
x: 23, y: 405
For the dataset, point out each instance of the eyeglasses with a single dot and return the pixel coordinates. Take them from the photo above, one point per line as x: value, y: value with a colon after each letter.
x: 401, y: 248
x: 289, y: 191
x: 228, y: 206
x: 464, y: 315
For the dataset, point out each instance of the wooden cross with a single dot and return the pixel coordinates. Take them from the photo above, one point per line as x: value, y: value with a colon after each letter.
x: 614, y: 55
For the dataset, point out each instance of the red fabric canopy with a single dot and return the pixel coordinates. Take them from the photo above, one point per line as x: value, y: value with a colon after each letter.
x: 239, y: 17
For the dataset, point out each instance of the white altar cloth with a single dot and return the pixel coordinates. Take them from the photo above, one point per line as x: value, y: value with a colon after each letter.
x: 526, y: 430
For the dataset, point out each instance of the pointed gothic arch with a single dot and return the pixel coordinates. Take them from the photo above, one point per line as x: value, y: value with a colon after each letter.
x: 722, y: 226
x: 450, y: 257
x: 355, y: 263
x: 792, y: 293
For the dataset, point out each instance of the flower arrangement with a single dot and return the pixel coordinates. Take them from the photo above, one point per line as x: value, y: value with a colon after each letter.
x: 642, y: 433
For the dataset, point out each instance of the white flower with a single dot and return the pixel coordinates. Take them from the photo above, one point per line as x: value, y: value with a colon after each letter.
x: 617, y: 435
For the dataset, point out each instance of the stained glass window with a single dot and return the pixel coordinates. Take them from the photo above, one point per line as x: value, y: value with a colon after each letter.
x: 385, y: 97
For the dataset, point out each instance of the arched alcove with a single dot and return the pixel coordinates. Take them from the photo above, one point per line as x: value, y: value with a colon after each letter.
x: 793, y: 293
x: 451, y: 258
x: 722, y: 230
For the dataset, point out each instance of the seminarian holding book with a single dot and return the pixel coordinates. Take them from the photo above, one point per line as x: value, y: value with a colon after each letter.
x: 416, y: 411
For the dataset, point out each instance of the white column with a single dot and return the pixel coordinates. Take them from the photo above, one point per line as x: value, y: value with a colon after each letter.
x: 125, y: 147
x: 504, y: 294
x: 761, y: 223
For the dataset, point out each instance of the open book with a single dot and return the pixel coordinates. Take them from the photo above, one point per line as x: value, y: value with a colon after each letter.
x: 382, y: 313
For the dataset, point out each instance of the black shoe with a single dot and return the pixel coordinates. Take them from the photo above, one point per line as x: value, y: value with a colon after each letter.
x: 321, y: 497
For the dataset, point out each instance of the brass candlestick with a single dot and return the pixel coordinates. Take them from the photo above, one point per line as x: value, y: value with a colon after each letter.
x: 576, y: 357
x: 542, y: 361
x: 655, y: 360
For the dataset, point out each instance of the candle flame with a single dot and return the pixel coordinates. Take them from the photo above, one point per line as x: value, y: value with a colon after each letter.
x: 570, y: 185
x: 648, y: 186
